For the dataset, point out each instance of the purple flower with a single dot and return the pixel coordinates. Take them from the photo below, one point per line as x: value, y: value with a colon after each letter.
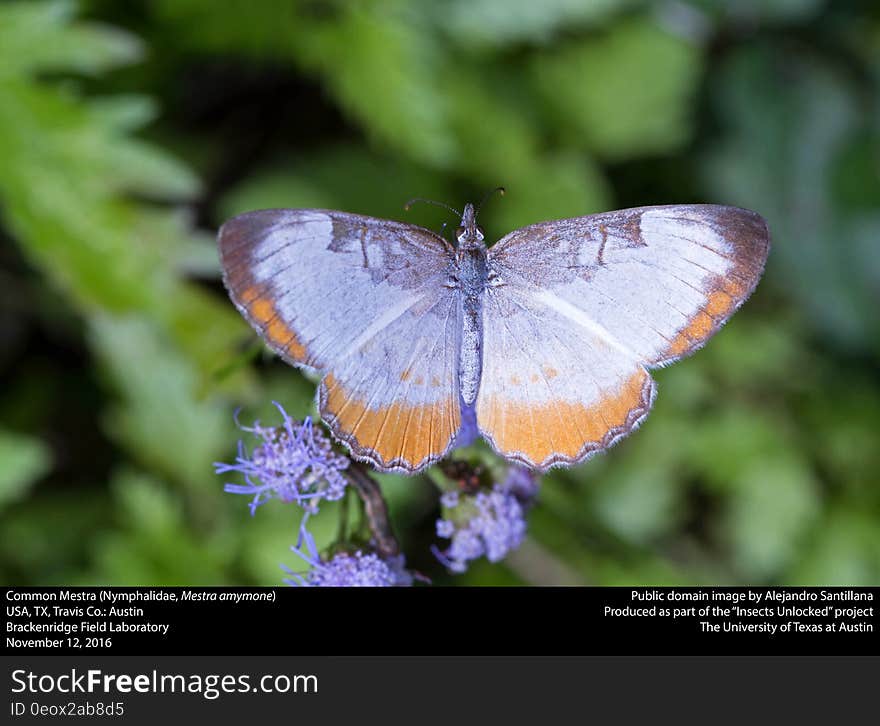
x: 445, y: 528
x: 449, y: 500
x: 522, y: 483
x: 346, y: 569
x: 488, y: 524
x: 294, y: 463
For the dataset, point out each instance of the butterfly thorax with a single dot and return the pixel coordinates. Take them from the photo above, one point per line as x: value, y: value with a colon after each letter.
x: 472, y: 273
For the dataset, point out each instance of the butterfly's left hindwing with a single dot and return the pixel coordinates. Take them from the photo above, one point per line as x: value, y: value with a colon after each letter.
x: 362, y: 301
x: 553, y: 391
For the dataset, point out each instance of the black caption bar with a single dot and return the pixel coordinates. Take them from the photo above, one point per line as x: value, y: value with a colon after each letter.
x: 137, y: 621
x: 346, y: 689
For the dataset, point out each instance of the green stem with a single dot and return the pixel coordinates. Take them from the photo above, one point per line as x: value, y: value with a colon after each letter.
x: 375, y: 509
x: 343, y: 519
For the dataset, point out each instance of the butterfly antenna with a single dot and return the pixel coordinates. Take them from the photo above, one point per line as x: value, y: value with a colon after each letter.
x: 430, y: 201
x: 499, y: 190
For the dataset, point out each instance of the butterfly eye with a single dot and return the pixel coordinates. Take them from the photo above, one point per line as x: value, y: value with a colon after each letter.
x: 480, y: 233
x: 459, y: 232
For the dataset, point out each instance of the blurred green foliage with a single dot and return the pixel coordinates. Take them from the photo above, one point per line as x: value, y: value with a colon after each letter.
x: 129, y: 131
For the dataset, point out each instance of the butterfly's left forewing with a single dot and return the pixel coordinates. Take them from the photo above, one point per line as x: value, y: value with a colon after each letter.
x: 363, y: 301
x: 579, y: 309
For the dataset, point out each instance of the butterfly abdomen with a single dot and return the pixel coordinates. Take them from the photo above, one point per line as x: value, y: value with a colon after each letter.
x: 472, y: 275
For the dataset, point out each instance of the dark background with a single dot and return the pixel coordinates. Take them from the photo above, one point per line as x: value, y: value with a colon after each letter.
x: 130, y: 131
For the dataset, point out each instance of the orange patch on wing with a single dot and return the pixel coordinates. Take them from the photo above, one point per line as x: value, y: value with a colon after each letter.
x: 395, y: 432
x: 679, y: 344
x: 559, y: 427
x: 727, y: 291
x: 249, y: 295
x: 719, y: 304
x: 550, y: 371
x: 699, y: 328
x: 734, y: 287
x: 263, y: 310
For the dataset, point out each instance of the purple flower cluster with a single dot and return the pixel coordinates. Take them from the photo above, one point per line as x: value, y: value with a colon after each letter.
x: 489, y: 523
x: 349, y: 569
x: 294, y: 463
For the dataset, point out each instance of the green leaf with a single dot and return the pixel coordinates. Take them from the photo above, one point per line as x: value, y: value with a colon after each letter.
x: 640, y: 496
x: 375, y: 59
x: 844, y: 551
x: 71, y: 515
x: 749, y: 13
x: 491, y: 23
x: 624, y: 93
x: 343, y: 177
x: 774, y: 506
x: 501, y: 144
x: 791, y: 121
x: 69, y: 166
x: 23, y: 461
x: 549, y: 187
x: 843, y: 418
x: 723, y: 443
x: 161, y: 419
x: 268, y: 29
x: 38, y: 37
x: 156, y: 545
x: 383, y: 71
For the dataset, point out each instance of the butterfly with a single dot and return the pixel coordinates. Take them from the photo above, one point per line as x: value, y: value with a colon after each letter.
x: 541, y: 343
